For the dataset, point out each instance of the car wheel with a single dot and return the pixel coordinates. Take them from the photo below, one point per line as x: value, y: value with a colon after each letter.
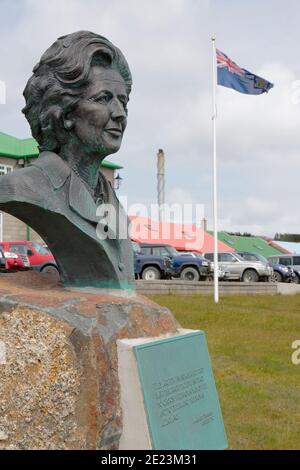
x: 151, y: 274
x: 49, y: 269
x: 296, y: 279
x: 189, y: 274
x: 277, y: 277
x: 250, y: 276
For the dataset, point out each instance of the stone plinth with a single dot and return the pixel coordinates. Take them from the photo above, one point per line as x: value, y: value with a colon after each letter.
x: 59, y: 386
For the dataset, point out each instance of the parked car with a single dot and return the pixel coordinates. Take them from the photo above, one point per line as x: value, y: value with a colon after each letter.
x: 12, y: 262
x: 183, y: 266
x: 39, y: 257
x: 240, y: 269
x: 284, y: 274
x: 150, y: 267
x: 222, y: 275
x: 281, y: 273
x: 289, y: 261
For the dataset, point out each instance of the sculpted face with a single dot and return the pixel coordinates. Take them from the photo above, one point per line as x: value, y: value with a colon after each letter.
x: 100, y: 117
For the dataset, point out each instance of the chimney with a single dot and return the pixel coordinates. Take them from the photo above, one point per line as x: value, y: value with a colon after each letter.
x: 204, y: 224
x: 161, y: 183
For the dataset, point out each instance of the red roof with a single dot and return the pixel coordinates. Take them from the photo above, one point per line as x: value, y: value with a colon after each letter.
x: 186, y: 237
x: 280, y: 248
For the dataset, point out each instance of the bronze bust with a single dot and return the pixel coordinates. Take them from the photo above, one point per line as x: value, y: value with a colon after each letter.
x: 76, y: 105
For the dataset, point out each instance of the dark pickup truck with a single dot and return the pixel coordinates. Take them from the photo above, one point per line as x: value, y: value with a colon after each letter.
x: 150, y: 267
x: 184, y: 266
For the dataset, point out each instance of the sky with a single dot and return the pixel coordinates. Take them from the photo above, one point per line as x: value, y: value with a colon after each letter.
x: 167, y: 44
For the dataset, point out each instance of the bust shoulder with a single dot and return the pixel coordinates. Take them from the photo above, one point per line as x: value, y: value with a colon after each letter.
x: 36, y: 181
x: 54, y: 167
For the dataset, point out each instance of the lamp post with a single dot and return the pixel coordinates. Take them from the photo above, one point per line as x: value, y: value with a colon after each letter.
x: 117, y: 181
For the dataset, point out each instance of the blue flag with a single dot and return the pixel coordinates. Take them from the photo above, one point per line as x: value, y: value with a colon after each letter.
x: 233, y: 76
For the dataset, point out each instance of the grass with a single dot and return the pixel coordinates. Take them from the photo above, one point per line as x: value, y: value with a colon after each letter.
x: 249, y: 339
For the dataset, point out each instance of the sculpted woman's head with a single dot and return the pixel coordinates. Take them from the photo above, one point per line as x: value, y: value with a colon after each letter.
x: 78, y: 95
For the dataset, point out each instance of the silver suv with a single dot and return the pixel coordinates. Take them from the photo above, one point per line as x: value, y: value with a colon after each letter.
x: 240, y: 269
x: 292, y: 261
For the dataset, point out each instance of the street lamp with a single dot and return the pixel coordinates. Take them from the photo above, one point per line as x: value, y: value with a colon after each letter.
x: 117, y: 181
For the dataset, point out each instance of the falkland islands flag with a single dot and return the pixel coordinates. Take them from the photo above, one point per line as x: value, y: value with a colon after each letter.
x: 233, y: 76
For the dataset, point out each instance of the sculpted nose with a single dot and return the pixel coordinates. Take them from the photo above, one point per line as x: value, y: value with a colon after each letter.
x: 118, y: 112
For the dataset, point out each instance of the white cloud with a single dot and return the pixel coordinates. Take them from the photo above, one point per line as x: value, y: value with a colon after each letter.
x: 178, y: 195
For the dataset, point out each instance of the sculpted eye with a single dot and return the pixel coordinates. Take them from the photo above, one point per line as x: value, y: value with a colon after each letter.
x: 105, y: 98
x: 124, y: 102
x: 102, y: 98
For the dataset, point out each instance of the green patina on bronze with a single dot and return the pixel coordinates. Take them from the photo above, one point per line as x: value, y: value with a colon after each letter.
x: 76, y: 105
x: 180, y: 396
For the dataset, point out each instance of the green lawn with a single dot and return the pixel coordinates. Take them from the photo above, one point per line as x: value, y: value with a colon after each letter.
x: 249, y: 339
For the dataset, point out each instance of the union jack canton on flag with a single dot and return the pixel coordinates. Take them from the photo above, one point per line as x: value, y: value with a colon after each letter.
x: 233, y: 76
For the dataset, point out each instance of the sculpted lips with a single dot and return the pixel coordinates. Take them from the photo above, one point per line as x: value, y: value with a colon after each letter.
x: 114, y: 131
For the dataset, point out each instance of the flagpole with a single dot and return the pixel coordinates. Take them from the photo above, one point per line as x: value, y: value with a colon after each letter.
x: 215, y: 226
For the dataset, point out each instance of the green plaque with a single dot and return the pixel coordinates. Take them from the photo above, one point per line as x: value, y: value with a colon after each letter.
x: 180, y: 396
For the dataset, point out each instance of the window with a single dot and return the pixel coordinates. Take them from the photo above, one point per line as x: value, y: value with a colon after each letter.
x: 249, y: 257
x: 236, y: 256
x: 160, y: 251
x: 18, y: 248
x: 40, y: 249
x: 171, y: 250
x: 136, y: 247
x: 4, y: 169
x: 285, y: 261
x: 227, y: 258
x: 209, y: 256
x: 146, y: 250
x: 262, y: 258
x: 296, y: 260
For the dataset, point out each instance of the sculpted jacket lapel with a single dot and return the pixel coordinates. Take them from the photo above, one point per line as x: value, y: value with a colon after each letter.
x: 80, y: 200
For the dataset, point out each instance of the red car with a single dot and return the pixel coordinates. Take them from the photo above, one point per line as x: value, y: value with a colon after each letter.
x: 11, y: 262
x: 39, y: 257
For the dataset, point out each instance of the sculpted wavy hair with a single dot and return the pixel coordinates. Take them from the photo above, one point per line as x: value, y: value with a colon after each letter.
x: 59, y: 79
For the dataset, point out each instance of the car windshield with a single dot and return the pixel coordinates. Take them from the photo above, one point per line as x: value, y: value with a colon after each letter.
x: 172, y: 250
x: 199, y: 255
x: 238, y: 257
x: 262, y: 258
x: 254, y: 257
x: 40, y: 248
x: 136, y: 247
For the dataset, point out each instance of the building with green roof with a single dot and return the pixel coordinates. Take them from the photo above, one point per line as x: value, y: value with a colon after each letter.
x: 15, y: 154
x: 250, y: 244
x: 27, y: 149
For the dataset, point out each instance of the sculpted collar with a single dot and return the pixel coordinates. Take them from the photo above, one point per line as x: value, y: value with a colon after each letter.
x: 80, y: 200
